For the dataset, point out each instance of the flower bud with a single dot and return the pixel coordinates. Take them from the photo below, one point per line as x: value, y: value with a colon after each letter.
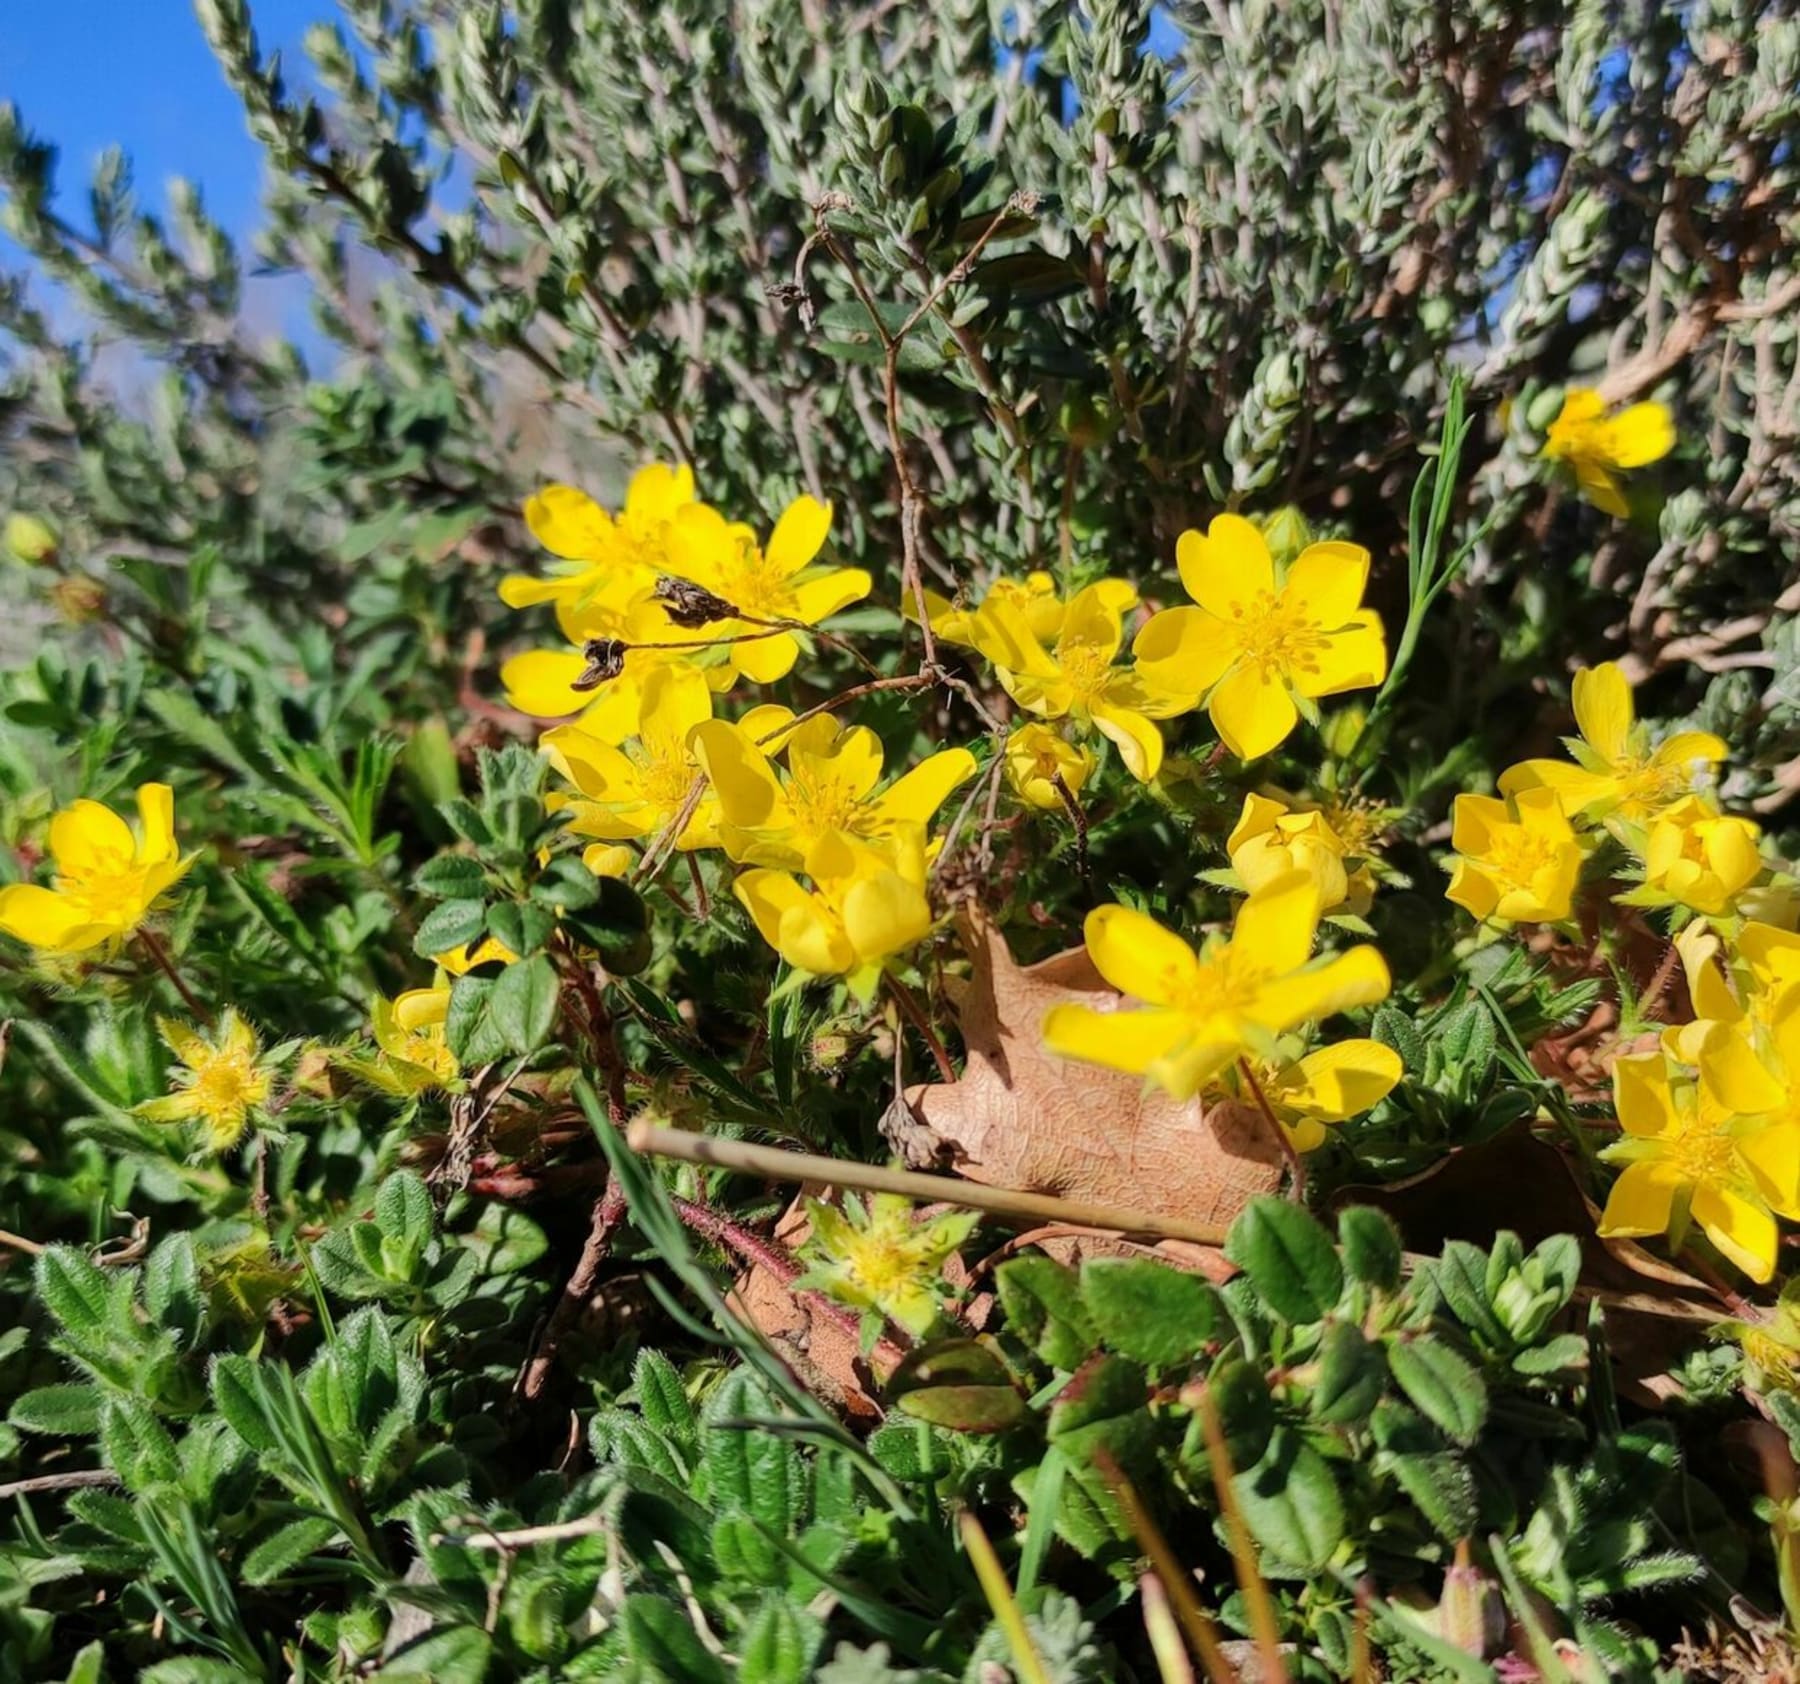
x: 30, y: 540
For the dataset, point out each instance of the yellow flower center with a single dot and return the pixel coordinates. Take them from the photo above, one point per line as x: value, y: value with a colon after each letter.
x: 428, y: 1049
x: 1704, y: 1153
x: 1517, y: 855
x: 1278, y: 635
x: 884, y: 1265
x: 108, y: 890
x: 749, y: 581
x: 227, y: 1084
x: 822, y: 804
x: 1086, y: 668
x: 1223, y: 986
x: 1763, y: 1351
x: 1355, y: 822
x: 667, y: 779
x: 1644, y: 787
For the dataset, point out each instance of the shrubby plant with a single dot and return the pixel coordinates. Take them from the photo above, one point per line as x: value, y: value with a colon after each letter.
x: 961, y: 618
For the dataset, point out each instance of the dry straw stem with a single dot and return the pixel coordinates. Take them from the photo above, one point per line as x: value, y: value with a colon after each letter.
x: 773, y: 1163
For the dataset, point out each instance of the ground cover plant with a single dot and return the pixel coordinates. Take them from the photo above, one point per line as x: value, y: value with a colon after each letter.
x: 959, y: 848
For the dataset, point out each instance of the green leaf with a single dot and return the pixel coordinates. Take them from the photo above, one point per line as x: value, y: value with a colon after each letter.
x: 1042, y: 1301
x: 958, y: 1384
x: 137, y: 1446
x: 1461, y: 1276
x: 459, y: 1655
x: 1246, y: 1412
x: 911, y: 1452
x: 522, y: 1004
x: 1441, y: 1488
x: 71, y: 1410
x: 749, y: 1470
x: 404, y: 1214
x: 88, y: 1667
x: 286, y: 1547
x: 73, y: 1289
x: 1292, y: 1502
x: 469, y: 1027
x: 1371, y: 1247
x: 237, y: 1394
x: 778, y: 1645
x: 1560, y: 1355
x: 451, y: 877
x: 662, y: 1397
x: 659, y: 1638
x: 195, y: 1669
x: 1104, y: 1386
x: 1148, y: 1311
x: 1443, y: 1385
x: 1350, y: 1378
x: 1289, y: 1258
x: 965, y: 1409
x: 450, y: 924
x: 520, y: 926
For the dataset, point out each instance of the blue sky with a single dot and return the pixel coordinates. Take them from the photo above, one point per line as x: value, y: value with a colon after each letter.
x: 87, y: 73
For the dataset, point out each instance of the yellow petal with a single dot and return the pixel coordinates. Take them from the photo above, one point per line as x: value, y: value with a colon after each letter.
x: 1139, y: 743
x: 1603, y: 710
x: 798, y: 535
x: 657, y: 491
x: 1577, y: 789
x: 539, y: 683
x: 1641, y: 1200
x: 916, y: 797
x: 1184, y: 650
x: 884, y: 914
x: 1643, y: 433
x: 84, y: 836
x: 1732, y: 1074
x: 1773, y: 1155
x: 1707, y: 988
x: 156, y: 821
x: 1252, y: 711
x: 1258, y: 817
x: 36, y: 916
x: 608, y: 859
x: 1327, y: 581
x: 1742, y: 1229
x: 600, y: 771
x: 676, y: 699
x: 1600, y: 487
x: 1358, y: 977
x: 1228, y: 568
x: 1473, y: 890
x: 1138, y: 956
x: 1473, y: 821
x: 1352, y: 659
x: 1276, y: 926
x: 749, y: 794
x: 1642, y: 1098
x: 1342, y: 1080
x: 818, y: 599
x: 762, y: 660
x: 569, y: 523
x: 1092, y: 622
x: 421, y: 1008
x: 1120, y: 1040
x: 1691, y: 749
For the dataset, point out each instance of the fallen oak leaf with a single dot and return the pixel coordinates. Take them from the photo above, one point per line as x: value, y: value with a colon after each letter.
x: 1021, y: 1117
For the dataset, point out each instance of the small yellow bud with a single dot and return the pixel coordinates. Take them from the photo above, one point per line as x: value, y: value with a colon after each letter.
x: 30, y: 540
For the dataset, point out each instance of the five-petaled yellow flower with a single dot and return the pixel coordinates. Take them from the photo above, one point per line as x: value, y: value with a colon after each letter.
x: 1616, y: 773
x: 1034, y: 599
x: 772, y: 585
x: 1597, y: 445
x: 846, y: 926
x: 1270, y: 841
x: 412, y: 1045
x: 641, y: 789
x: 1038, y: 757
x: 1077, y: 678
x: 1201, y: 1012
x: 1330, y: 1085
x: 881, y: 1258
x: 815, y: 817
x: 220, y: 1083
x: 599, y: 549
x: 1687, y: 1157
x: 107, y: 880
x: 1515, y: 860
x: 1259, y: 651
x: 1698, y: 857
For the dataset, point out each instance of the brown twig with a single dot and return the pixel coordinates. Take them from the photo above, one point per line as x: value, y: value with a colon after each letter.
x: 153, y: 946
x: 1281, y: 1135
x: 71, y: 1481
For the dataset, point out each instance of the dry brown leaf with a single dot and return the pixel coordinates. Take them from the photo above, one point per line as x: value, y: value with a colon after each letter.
x: 1023, y: 1118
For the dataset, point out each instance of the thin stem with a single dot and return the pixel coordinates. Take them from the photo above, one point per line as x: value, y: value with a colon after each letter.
x: 1281, y: 1135
x: 160, y: 954
x: 1078, y: 818
x: 914, y: 1014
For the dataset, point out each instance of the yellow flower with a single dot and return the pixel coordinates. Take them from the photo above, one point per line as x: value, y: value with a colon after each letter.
x: 639, y: 790
x: 1269, y: 841
x: 1687, y: 1157
x: 1515, y: 860
x: 221, y: 1082
x: 1259, y: 651
x: 1076, y: 678
x: 844, y: 926
x: 413, y: 1050
x: 459, y: 961
x: 881, y: 1259
x: 1597, y: 445
x: 764, y: 585
x: 599, y: 550
x: 813, y: 819
x: 29, y: 539
x: 1616, y: 773
x: 1331, y: 1085
x: 1036, y: 756
x: 1696, y: 857
x: 1032, y: 598
x: 1203, y: 1011
x: 107, y: 880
